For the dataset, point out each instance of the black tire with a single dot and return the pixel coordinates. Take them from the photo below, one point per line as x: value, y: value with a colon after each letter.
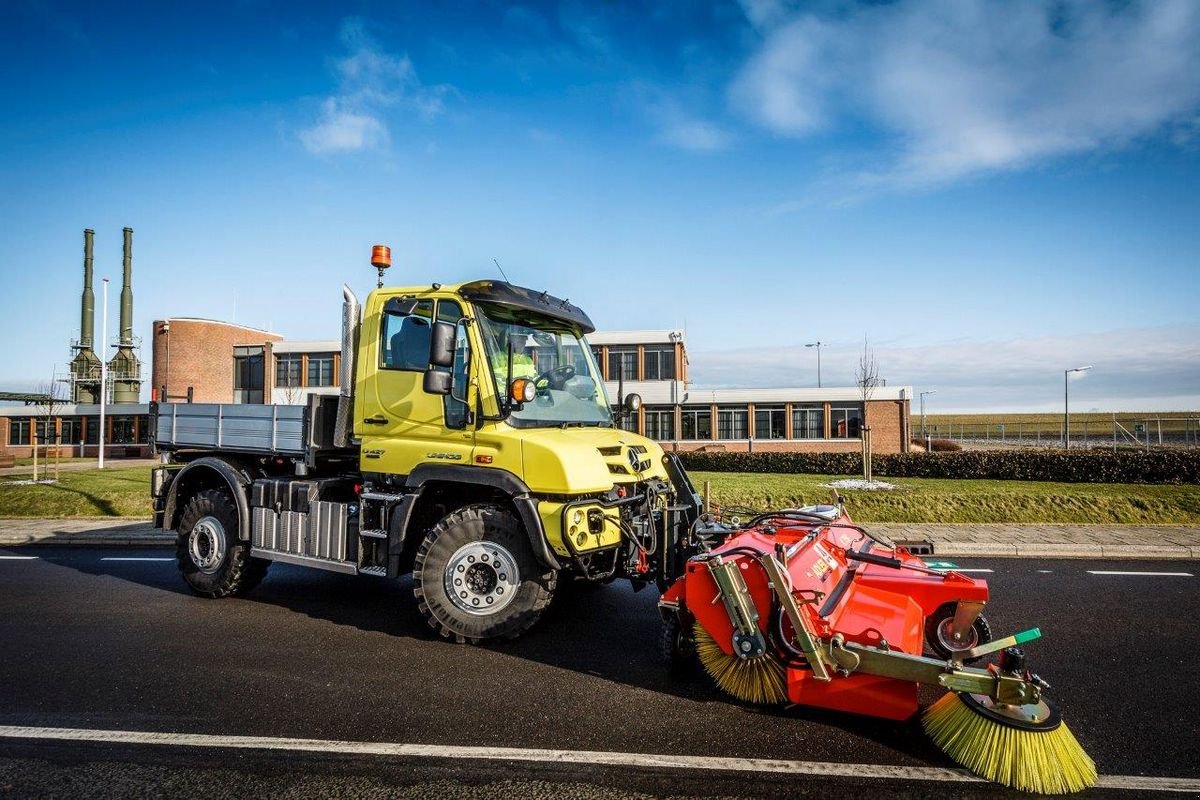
x: 675, y: 643
x: 980, y: 630
x: 219, y: 564
x: 485, y: 550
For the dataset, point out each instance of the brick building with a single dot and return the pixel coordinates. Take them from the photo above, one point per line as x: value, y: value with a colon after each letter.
x: 221, y: 363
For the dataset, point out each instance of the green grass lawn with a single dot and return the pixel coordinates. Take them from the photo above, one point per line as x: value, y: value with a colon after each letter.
x: 82, y: 493
x: 937, y: 500
x: 125, y: 492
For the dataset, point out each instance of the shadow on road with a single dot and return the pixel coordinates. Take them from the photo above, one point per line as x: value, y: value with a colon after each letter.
x: 610, y: 632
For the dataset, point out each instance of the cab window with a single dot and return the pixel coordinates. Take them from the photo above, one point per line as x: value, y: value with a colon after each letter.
x: 404, y: 341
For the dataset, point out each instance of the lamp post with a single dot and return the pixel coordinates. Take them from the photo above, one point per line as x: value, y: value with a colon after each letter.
x: 931, y: 391
x: 103, y: 370
x: 818, y: 346
x: 1067, y: 404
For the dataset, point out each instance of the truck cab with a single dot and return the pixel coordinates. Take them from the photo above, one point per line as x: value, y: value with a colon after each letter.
x: 473, y: 446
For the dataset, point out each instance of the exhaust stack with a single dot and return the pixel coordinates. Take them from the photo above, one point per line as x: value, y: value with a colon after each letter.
x: 125, y: 370
x: 85, y: 365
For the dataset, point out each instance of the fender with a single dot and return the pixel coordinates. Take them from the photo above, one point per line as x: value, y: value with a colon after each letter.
x: 234, y: 477
x: 505, y: 482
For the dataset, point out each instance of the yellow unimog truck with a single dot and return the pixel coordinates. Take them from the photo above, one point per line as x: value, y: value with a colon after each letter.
x: 472, y: 444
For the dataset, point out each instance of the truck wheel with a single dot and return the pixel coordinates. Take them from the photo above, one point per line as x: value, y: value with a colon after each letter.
x: 675, y: 643
x: 939, y: 640
x: 213, y: 560
x: 475, y: 577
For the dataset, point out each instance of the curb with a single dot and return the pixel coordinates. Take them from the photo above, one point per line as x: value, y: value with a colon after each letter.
x: 1127, y: 552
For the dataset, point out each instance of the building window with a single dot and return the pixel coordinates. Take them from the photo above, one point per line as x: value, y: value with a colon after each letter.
x: 808, y: 422
x: 320, y: 369
x: 845, y: 422
x: 45, y: 432
x: 92, y: 428
x: 659, y: 363
x: 770, y: 422
x: 122, y: 430
x: 70, y: 430
x: 660, y: 424
x: 287, y: 370
x: 622, y: 360
x: 732, y: 423
x: 247, y: 374
x: 696, y: 424
x: 18, y: 431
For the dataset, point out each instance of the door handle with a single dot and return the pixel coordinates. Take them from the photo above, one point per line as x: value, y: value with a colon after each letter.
x: 378, y: 419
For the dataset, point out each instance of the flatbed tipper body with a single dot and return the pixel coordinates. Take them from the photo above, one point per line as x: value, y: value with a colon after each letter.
x: 471, y: 443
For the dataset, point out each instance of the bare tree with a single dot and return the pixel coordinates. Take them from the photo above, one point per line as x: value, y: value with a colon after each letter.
x: 48, y: 407
x: 866, y: 377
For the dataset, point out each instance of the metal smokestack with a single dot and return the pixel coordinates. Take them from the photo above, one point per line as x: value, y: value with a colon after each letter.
x: 87, y: 311
x: 127, y: 292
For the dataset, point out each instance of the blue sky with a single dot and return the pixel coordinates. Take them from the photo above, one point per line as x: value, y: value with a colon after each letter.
x: 989, y: 192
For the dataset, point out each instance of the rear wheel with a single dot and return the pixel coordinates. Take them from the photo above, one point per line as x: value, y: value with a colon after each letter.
x: 475, y: 577
x: 214, y: 561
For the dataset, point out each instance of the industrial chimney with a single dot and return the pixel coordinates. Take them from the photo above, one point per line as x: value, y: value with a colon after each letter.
x: 85, y: 366
x: 125, y: 370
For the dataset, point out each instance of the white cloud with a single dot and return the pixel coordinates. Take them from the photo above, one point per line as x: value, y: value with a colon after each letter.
x: 370, y: 82
x: 677, y: 127
x: 1133, y: 369
x: 966, y: 86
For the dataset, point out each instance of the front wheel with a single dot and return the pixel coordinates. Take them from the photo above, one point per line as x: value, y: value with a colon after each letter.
x: 475, y: 577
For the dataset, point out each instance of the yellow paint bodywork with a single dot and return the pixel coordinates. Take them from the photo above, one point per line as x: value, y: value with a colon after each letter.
x: 557, y: 464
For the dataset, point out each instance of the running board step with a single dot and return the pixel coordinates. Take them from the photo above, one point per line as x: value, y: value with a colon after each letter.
x: 384, y: 497
x: 377, y: 571
x: 347, y: 567
x: 373, y: 533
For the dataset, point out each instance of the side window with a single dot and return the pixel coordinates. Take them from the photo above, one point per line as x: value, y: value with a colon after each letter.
x: 405, y: 340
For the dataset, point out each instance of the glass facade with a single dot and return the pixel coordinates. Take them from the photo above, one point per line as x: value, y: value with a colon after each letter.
x: 696, y: 423
x: 733, y: 423
x: 845, y: 422
x: 770, y: 422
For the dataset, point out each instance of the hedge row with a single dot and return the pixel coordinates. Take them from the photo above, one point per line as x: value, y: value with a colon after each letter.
x: 1156, y: 466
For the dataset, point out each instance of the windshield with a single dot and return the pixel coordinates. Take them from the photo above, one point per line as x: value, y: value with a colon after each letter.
x: 555, y: 357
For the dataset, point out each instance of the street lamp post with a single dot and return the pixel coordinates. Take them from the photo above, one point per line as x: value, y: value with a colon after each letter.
x: 103, y: 370
x: 1067, y: 404
x: 931, y: 391
x: 818, y: 346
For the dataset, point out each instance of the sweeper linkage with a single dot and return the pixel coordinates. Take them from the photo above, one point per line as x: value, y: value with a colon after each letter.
x: 804, y: 606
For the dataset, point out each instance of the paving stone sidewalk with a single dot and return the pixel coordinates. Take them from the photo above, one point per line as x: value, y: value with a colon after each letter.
x: 1019, y: 541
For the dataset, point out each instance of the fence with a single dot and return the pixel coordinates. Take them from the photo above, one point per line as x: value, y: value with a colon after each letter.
x: 1122, y: 431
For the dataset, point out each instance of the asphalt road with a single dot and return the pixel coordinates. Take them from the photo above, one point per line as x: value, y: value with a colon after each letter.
x: 96, y: 639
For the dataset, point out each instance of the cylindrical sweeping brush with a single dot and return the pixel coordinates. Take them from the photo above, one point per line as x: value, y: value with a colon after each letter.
x: 1025, y: 747
x: 755, y: 680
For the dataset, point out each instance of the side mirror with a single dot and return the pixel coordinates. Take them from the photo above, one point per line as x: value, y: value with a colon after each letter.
x: 437, y: 381
x: 631, y: 403
x: 441, y: 345
x: 400, y: 306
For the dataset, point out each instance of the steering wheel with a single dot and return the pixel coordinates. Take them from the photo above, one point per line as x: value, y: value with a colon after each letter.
x: 555, y: 378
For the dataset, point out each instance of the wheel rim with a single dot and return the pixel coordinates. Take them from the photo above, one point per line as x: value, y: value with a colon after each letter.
x: 206, y: 544
x: 945, y: 636
x: 481, y: 578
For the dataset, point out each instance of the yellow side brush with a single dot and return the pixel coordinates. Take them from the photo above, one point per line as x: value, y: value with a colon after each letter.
x: 1025, y: 747
x: 755, y: 680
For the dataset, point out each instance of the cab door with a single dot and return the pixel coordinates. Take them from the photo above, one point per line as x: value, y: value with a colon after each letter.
x: 401, y: 425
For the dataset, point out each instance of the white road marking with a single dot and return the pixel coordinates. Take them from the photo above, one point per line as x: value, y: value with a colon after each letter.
x: 824, y: 769
x: 1046, y: 571
x: 18, y: 558
x: 1147, y: 574
x: 969, y: 570
x: 134, y: 558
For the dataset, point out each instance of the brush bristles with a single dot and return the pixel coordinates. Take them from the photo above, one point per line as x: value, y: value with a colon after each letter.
x: 1045, y: 762
x: 755, y: 680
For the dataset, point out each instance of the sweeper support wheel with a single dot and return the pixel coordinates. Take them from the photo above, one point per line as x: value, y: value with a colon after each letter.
x: 1026, y: 747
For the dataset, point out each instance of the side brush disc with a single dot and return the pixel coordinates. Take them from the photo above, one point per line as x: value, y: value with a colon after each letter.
x: 760, y: 680
x: 1026, y: 747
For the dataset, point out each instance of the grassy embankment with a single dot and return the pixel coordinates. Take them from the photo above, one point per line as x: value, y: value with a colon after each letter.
x: 125, y: 493
x: 937, y: 500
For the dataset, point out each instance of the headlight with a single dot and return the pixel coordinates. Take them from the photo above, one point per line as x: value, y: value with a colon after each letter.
x: 577, y: 517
